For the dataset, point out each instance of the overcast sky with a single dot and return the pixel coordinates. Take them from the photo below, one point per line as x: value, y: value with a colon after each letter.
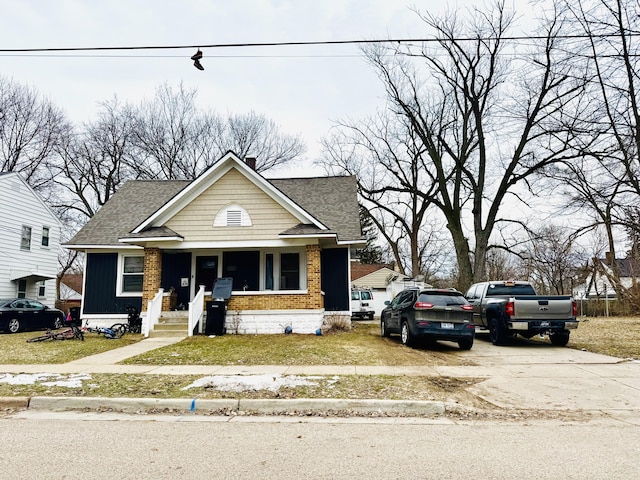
x: 301, y: 88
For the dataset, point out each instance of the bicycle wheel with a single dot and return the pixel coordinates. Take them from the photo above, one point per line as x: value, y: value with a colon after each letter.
x: 41, y: 338
x: 119, y: 329
x: 77, y: 333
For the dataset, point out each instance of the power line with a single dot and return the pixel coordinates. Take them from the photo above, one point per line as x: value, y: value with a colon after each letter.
x: 301, y: 43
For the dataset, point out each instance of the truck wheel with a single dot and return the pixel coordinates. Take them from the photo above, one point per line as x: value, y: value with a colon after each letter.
x: 559, y: 339
x: 405, y: 335
x: 497, y: 334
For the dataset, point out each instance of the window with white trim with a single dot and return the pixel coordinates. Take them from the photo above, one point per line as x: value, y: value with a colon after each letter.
x: 132, y: 274
x: 45, y: 237
x: 42, y: 289
x: 25, y: 240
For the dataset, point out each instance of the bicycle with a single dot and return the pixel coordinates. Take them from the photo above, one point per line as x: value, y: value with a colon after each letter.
x: 73, y: 332
x: 109, y: 333
x: 134, y: 322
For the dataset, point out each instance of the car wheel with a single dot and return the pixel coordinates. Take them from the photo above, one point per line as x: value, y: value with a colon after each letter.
x: 57, y: 323
x: 405, y: 335
x: 465, y: 344
x: 559, y: 339
x: 497, y: 335
x: 14, y: 325
x: 383, y: 328
x: 371, y: 316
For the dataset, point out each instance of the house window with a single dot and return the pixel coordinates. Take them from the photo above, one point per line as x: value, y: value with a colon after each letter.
x: 41, y: 289
x: 22, y: 288
x: 25, y: 242
x: 132, y: 274
x: 289, y: 271
x: 45, y: 236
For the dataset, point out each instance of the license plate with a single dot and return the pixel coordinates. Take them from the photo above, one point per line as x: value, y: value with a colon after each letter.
x: 446, y: 325
x: 544, y: 324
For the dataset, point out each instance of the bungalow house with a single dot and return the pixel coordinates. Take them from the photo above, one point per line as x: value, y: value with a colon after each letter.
x: 161, y: 245
x: 29, y: 242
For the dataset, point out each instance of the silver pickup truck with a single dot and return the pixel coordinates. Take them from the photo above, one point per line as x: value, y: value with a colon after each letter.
x: 509, y: 308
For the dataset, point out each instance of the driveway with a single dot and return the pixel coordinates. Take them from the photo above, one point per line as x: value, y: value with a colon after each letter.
x: 539, y: 376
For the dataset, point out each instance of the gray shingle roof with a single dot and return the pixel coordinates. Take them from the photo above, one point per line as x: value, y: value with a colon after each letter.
x: 126, y: 209
x: 331, y: 200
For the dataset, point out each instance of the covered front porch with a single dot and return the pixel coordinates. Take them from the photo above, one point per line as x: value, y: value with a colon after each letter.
x: 272, y: 287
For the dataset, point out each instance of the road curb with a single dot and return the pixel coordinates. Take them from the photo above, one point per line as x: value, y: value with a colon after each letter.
x: 14, y: 402
x: 230, y: 406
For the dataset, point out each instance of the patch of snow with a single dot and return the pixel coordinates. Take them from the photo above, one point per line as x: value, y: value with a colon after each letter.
x: 241, y: 383
x: 48, y: 379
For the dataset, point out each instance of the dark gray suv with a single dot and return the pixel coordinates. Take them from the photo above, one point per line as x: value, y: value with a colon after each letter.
x: 429, y: 314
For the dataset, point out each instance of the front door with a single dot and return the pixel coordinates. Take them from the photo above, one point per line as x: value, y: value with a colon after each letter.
x: 206, y: 272
x: 176, y: 274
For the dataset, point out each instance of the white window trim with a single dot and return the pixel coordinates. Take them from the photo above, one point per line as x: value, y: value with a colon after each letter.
x: 302, y: 257
x: 48, y: 229
x: 120, y: 276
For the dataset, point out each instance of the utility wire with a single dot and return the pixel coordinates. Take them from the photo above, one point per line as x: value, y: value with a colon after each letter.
x: 301, y: 43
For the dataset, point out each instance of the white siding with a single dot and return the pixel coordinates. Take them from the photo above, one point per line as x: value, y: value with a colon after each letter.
x: 19, y: 206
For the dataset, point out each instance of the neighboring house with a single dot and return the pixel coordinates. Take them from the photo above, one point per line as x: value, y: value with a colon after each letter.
x: 29, y: 242
x: 599, y: 285
x: 384, y: 282
x: 70, y: 291
x: 285, y: 243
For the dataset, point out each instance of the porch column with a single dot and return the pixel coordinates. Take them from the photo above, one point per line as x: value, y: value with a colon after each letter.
x: 313, y: 277
x: 152, y: 274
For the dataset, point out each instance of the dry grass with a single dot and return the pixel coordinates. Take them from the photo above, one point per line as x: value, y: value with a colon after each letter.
x: 362, y: 345
x: 614, y: 336
x: 14, y: 348
x: 171, y: 386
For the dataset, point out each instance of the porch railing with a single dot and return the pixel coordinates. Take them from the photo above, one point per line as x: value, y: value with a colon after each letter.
x: 196, y: 311
x: 154, y: 310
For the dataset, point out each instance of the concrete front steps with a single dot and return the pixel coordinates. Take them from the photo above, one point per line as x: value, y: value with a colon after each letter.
x: 171, y: 324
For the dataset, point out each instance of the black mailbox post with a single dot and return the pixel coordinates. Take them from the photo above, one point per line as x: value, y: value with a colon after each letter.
x: 217, y: 308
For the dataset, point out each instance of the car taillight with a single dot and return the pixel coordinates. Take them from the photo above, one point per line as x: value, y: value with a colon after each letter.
x: 424, y: 305
x: 509, y: 309
x: 575, y: 308
x: 467, y: 307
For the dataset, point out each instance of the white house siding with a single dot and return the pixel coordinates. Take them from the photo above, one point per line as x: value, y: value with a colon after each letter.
x: 268, y: 218
x: 19, y: 205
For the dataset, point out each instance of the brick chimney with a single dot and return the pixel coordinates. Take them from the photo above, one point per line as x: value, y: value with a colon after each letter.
x: 608, y: 258
x: 251, y: 162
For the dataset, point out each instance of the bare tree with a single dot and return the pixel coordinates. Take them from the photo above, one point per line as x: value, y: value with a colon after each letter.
x: 94, y: 163
x: 386, y: 159
x: 174, y: 139
x: 30, y: 129
x: 253, y: 134
x: 606, y: 181
x: 483, y: 122
x: 552, y: 259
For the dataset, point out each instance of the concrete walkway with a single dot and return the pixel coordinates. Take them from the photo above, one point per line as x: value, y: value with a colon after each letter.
x: 522, y: 376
